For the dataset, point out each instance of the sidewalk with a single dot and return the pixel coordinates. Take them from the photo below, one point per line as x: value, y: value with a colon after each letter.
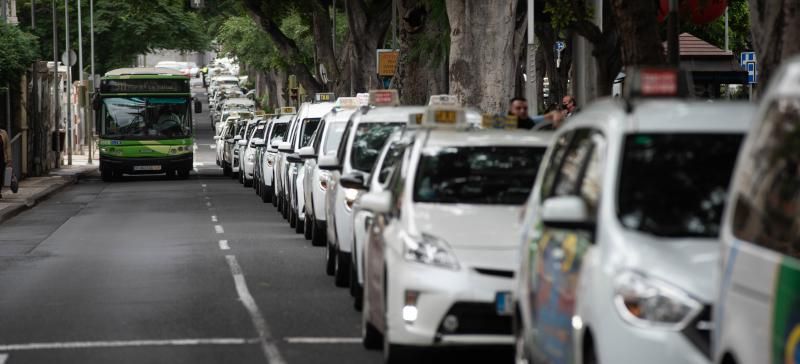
x: 35, y: 189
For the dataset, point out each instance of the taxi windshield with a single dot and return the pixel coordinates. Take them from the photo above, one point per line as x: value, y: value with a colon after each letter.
x: 477, y: 175
x: 368, y: 142
x: 676, y: 184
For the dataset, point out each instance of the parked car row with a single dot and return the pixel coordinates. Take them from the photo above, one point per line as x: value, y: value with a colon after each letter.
x: 599, y: 242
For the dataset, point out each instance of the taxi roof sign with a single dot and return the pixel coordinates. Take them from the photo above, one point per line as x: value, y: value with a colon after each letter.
x: 347, y: 103
x: 324, y: 97
x: 654, y: 82
x: 363, y: 98
x: 444, y: 116
x: 499, y: 121
x: 384, y: 98
x: 443, y: 100
x: 288, y: 110
x: 415, y: 119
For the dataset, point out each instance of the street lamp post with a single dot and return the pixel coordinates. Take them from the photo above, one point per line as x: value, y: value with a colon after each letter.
x: 56, y: 83
x: 90, y: 134
x: 69, y: 83
x: 531, y: 90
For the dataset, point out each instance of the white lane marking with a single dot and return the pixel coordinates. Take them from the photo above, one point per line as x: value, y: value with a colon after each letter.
x: 323, y: 340
x: 267, y: 343
x: 207, y: 198
x: 208, y: 204
x: 213, y: 218
x: 223, y: 245
x: 199, y: 164
x: 203, y: 185
x: 3, y: 358
x: 121, y: 343
x: 219, y: 229
x: 212, y: 146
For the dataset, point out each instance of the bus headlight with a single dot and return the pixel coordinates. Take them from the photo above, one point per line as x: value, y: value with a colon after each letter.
x: 430, y: 250
x: 650, y: 303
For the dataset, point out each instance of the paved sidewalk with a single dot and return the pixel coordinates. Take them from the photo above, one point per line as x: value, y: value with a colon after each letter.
x: 34, y: 189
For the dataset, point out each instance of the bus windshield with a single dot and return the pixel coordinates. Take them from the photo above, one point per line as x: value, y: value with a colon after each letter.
x: 146, y: 117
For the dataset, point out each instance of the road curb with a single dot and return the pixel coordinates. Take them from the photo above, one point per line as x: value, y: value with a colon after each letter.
x: 66, y: 180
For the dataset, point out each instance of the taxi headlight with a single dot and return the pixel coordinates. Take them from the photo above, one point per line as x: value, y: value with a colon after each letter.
x: 350, y: 196
x: 323, y: 180
x: 650, y: 303
x: 430, y: 250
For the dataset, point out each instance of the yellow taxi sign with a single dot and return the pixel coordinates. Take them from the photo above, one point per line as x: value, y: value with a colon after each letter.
x: 288, y: 110
x: 324, y: 97
x: 384, y: 98
x: 415, y: 119
x: 450, y: 100
x: 260, y: 113
x: 444, y: 116
x: 347, y: 103
x: 499, y: 121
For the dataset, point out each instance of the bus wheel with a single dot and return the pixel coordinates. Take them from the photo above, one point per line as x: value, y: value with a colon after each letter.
x: 107, y: 174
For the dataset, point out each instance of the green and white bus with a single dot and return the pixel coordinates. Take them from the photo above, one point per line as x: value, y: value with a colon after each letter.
x: 144, y: 121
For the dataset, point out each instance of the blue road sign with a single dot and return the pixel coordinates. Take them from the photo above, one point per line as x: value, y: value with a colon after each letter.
x: 560, y: 45
x: 745, y: 57
x: 752, y: 72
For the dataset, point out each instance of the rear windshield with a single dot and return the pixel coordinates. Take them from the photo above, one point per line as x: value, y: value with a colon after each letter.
x: 477, y: 175
x: 279, y: 132
x: 676, y: 184
x: 368, y: 142
x: 334, y: 137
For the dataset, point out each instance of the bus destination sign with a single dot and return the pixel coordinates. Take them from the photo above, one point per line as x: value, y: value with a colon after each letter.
x: 144, y: 86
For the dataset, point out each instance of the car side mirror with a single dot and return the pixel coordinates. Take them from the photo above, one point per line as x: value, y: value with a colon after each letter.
x: 567, y: 212
x: 217, y: 137
x: 242, y: 142
x: 329, y: 163
x: 307, y: 153
x: 294, y: 158
x: 285, y: 147
x: 198, y: 106
x: 275, y: 144
x: 354, y: 181
x: 237, y: 138
x: 259, y: 142
x: 377, y: 202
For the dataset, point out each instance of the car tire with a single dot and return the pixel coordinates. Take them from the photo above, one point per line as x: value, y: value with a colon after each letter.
x: 356, y: 290
x: 248, y: 183
x: 308, y: 227
x: 226, y: 171
x: 266, y: 194
x: 298, y: 225
x: 341, y: 269
x: 371, y: 338
x: 292, y: 218
x: 317, y: 234
x: 330, y: 259
x: 396, y: 354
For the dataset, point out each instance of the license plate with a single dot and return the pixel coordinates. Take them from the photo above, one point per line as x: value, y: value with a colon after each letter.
x: 502, y: 303
x: 146, y: 168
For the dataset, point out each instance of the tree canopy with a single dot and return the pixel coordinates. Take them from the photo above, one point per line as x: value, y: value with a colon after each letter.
x: 17, y: 52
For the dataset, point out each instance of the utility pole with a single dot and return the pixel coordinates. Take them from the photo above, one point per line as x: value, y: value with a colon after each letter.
x: 333, y: 31
x: 91, y: 93
x: 727, y: 45
x: 531, y: 89
x: 56, y: 83
x: 4, y: 4
x: 69, y: 84
x: 394, y: 25
x: 81, y: 109
x: 33, y: 14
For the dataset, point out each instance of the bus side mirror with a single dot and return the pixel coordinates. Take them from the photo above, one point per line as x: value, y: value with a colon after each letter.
x: 96, y: 101
x: 198, y: 106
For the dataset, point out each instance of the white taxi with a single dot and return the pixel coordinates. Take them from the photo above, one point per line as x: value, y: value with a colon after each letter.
x: 327, y: 139
x: 277, y: 133
x: 620, y: 234
x: 442, y: 244
x: 757, y: 316
x: 249, y: 154
x: 364, y: 137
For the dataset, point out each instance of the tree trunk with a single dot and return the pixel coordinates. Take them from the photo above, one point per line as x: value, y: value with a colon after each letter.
x: 419, y: 75
x: 368, y: 26
x: 775, y: 25
x: 482, y: 58
x: 323, y: 43
x: 638, y: 30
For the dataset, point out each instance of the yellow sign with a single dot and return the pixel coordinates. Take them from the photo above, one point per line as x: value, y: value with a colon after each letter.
x: 489, y: 121
x: 387, y: 62
x: 445, y: 116
x: 288, y: 110
x: 415, y: 119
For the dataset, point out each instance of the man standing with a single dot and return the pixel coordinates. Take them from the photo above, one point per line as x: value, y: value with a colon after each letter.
x: 569, y: 106
x: 5, y: 158
x: 519, y: 108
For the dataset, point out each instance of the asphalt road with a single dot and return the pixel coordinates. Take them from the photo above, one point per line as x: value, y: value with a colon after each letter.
x: 152, y: 270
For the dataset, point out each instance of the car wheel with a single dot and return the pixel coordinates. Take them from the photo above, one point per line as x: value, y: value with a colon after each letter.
x: 308, y: 227
x: 248, y: 183
x: 272, y: 196
x: 370, y: 336
x: 317, y: 234
x: 341, y: 271
x: 292, y: 218
x: 226, y: 171
x: 395, y: 354
x: 298, y: 225
x: 330, y: 259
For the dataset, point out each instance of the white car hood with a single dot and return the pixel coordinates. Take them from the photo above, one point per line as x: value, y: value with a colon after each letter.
x: 481, y: 236
x: 688, y: 263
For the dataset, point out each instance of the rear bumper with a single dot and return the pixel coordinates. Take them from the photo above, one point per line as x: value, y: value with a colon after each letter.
x: 126, y: 165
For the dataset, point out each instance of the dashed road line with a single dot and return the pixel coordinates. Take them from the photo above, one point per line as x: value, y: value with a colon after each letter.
x: 213, y: 218
x: 203, y: 185
x: 123, y: 343
x: 223, y: 245
x: 3, y: 358
x: 219, y: 229
x: 323, y: 340
x: 267, y: 343
x: 208, y: 204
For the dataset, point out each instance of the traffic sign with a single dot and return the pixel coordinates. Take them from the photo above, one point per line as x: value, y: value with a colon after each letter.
x: 387, y: 62
x: 748, y: 61
x: 72, y: 58
x: 745, y: 57
x: 752, y: 72
x: 559, y: 46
